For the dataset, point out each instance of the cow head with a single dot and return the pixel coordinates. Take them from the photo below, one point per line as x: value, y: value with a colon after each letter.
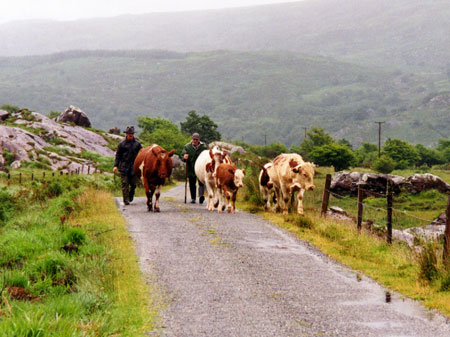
x: 239, y: 178
x: 303, y: 174
x: 265, y: 179
x: 163, y: 162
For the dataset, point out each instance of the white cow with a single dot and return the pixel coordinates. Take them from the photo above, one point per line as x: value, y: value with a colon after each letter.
x: 205, y: 170
x: 290, y: 173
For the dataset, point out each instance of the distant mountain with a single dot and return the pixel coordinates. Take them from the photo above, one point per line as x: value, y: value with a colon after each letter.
x: 249, y: 94
x: 402, y: 32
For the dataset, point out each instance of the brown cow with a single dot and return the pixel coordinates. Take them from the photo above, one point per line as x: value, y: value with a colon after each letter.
x: 155, y: 165
x: 228, y: 181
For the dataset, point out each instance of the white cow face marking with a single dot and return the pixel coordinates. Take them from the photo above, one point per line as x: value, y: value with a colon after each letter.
x: 239, y: 178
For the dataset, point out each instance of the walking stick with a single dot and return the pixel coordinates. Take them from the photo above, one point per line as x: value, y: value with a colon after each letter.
x: 185, y: 182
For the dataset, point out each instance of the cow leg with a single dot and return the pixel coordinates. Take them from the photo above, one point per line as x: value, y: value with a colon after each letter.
x: 210, y: 191
x: 157, y: 194
x: 150, y: 198
x: 233, y: 199
x: 300, y: 202
x: 277, y: 200
x: 221, y: 205
x: 148, y: 194
x: 286, y: 198
x: 228, y: 197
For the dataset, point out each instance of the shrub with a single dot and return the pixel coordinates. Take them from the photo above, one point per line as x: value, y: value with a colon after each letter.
x: 75, y: 236
x: 384, y: 164
x: 9, y: 157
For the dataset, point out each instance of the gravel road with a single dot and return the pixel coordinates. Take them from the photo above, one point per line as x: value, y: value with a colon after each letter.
x: 239, y: 275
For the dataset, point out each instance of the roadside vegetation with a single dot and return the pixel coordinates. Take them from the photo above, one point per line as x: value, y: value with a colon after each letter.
x: 68, y: 266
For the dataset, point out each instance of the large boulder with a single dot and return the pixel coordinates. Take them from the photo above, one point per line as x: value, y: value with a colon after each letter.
x: 115, y: 130
x: 421, y: 182
x: 74, y: 115
x: 347, y: 182
x: 230, y: 148
x: 3, y: 115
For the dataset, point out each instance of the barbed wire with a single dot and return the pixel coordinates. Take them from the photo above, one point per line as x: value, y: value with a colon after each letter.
x: 383, y: 209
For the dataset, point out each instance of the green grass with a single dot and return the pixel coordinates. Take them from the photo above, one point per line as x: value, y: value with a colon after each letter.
x: 96, y: 289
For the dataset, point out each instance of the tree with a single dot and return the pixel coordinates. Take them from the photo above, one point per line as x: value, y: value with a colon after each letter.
x: 162, y: 132
x: 314, y: 138
x: 403, y: 153
x: 444, y: 149
x: 366, y: 154
x: 338, y: 155
x: 202, y: 125
x: 384, y: 164
x: 345, y: 142
x: 428, y: 156
x: 269, y: 151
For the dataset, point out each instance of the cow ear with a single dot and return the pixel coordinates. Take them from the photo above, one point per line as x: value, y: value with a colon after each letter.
x: 171, y: 153
x: 243, y: 171
x: 211, y: 154
x: 292, y: 163
x: 232, y: 170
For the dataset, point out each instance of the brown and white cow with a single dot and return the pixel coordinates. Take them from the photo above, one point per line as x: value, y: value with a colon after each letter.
x: 266, y: 185
x: 228, y: 180
x: 154, y: 163
x: 290, y: 173
x: 205, y: 170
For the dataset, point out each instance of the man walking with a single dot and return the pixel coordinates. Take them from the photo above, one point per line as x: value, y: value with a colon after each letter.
x: 190, y: 154
x: 125, y: 155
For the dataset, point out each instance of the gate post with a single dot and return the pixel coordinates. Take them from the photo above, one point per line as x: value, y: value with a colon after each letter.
x: 446, y: 254
x: 326, y: 195
x: 360, y: 207
x: 389, y: 210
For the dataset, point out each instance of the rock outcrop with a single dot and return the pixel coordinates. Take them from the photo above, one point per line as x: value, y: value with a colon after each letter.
x: 74, y: 115
x: 346, y: 183
x: 230, y: 148
x: 3, y: 115
x: 52, y: 141
x: 115, y: 131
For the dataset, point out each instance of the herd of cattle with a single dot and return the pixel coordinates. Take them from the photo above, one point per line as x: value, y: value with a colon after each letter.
x: 278, y: 180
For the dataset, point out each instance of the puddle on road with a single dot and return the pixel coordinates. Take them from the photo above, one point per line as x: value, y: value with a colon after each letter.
x: 274, y: 246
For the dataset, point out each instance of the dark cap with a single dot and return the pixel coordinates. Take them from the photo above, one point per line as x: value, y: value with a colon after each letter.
x: 195, y: 136
x: 130, y: 129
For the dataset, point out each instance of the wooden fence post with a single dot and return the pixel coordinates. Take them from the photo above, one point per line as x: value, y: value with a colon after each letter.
x: 32, y: 176
x: 446, y: 255
x: 389, y: 210
x: 20, y: 178
x: 53, y: 173
x: 326, y: 195
x: 360, y: 207
x: 89, y: 168
x: 43, y: 174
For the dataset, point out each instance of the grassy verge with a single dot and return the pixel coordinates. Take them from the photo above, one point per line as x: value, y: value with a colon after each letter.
x: 68, y: 266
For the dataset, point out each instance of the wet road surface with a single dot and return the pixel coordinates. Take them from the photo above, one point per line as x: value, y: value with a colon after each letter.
x: 238, y: 275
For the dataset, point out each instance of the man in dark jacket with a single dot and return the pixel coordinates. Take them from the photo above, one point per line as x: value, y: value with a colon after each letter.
x: 125, y: 155
x: 190, y: 154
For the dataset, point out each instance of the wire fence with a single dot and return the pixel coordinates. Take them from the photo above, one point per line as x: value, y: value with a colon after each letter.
x: 384, y: 210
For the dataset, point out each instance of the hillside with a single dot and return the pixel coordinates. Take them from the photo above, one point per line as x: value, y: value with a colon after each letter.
x: 248, y: 94
x: 402, y: 32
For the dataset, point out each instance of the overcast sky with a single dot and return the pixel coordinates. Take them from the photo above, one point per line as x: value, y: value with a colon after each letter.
x: 11, y: 10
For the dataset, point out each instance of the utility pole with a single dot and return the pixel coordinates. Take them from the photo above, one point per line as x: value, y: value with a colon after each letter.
x: 305, y: 128
x: 379, y: 138
x: 265, y: 139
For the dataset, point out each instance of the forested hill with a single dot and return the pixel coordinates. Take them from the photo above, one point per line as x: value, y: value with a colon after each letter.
x: 402, y: 32
x: 248, y: 94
